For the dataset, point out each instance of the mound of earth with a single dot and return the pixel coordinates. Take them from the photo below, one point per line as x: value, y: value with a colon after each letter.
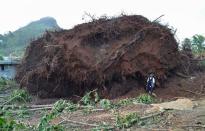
x: 111, y: 55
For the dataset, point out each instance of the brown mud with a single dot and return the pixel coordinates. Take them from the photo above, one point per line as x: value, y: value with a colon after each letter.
x: 111, y: 55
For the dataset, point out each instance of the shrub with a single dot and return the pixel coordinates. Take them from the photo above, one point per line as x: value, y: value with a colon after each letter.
x: 145, y: 98
x: 106, y: 104
x: 127, y: 120
x: 1, y: 57
x: 90, y: 98
x: 19, y: 95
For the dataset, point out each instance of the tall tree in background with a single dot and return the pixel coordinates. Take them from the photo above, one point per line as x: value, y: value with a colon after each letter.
x: 1, y: 57
x: 198, y: 41
x: 186, y: 45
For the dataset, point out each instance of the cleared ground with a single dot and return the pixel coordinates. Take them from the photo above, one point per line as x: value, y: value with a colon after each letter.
x: 189, y: 115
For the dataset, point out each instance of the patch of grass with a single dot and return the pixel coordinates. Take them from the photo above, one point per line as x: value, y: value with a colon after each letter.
x: 125, y: 102
x: 17, y: 112
x: 71, y: 107
x: 2, y: 81
x: 19, y: 95
x: 202, y: 64
x: 59, y: 106
x: 145, y: 98
x: 90, y: 98
x: 5, y: 84
x: 44, y: 124
x: 1, y: 57
x: 11, y: 125
x: 106, y: 104
x: 24, y: 113
x: 127, y: 120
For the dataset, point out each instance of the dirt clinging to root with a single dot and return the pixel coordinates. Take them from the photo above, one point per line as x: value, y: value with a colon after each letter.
x: 103, y: 54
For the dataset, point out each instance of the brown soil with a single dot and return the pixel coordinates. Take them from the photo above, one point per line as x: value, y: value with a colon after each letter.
x: 112, y: 55
x: 176, y: 87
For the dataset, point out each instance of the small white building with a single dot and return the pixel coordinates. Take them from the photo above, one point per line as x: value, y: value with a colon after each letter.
x: 8, y: 69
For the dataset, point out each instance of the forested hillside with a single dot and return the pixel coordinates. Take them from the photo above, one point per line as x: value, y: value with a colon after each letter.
x: 16, y: 42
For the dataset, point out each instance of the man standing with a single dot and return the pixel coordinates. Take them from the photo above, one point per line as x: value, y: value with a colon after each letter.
x: 150, y: 84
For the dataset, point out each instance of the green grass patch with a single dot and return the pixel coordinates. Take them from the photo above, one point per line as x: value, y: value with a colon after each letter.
x: 18, y: 96
x: 106, y: 104
x: 90, y: 98
x: 11, y: 125
x: 145, y: 98
x: 125, y: 102
x: 1, y: 57
x: 127, y: 120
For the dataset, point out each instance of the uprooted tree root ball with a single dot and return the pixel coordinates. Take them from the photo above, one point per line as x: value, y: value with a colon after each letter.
x: 107, y: 54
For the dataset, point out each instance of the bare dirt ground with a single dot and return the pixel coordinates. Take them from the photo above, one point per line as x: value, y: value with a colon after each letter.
x: 186, y: 119
x: 191, y: 115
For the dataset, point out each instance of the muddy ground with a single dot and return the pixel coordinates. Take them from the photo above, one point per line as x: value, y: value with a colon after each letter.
x: 191, y: 116
x: 112, y: 55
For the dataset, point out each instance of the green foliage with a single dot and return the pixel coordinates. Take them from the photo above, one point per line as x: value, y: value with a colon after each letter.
x: 19, y: 95
x: 6, y: 84
x: 44, y: 124
x: 201, y: 64
x: 196, y: 44
x: 24, y: 113
x: 1, y: 57
x: 106, y: 104
x: 125, y: 102
x: 127, y: 120
x: 11, y: 125
x: 198, y: 41
x: 87, y: 99
x: 3, y: 83
x: 59, y: 106
x: 90, y: 98
x: 71, y: 107
x: 145, y: 98
x: 16, y: 42
x: 96, y: 97
x: 187, y: 44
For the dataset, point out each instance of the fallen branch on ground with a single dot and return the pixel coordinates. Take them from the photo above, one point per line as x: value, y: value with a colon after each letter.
x: 34, y: 109
x: 32, y: 106
x: 37, y: 106
x: 77, y: 122
x: 182, y: 75
x: 202, y: 126
x: 152, y: 115
x: 44, y: 108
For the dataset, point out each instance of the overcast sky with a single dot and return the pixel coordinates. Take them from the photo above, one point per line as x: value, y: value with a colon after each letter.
x: 187, y: 16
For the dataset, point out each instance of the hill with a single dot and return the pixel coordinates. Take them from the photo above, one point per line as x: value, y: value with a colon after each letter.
x: 15, y: 42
